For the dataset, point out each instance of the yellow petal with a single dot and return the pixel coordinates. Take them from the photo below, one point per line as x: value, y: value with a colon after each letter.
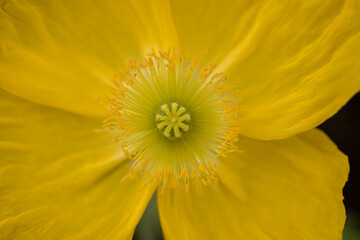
x: 60, y: 179
x: 287, y: 189
x: 297, y: 62
x: 65, y: 54
x: 213, y: 28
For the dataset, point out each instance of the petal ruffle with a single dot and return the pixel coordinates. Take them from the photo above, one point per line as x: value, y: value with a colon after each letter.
x: 65, y: 53
x: 287, y: 189
x: 296, y: 62
x: 60, y: 179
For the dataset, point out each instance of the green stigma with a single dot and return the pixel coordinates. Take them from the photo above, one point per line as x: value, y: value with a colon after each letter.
x: 172, y: 120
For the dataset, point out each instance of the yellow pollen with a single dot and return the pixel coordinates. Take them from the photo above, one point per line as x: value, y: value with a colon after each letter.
x: 172, y: 121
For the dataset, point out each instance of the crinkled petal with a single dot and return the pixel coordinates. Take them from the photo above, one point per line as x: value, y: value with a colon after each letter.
x: 65, y: 53
x: 296, y: 62
x: 285, y: 189
x: 60, y: 179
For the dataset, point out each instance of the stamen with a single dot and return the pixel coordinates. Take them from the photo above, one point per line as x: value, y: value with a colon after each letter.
x: 174, y: 120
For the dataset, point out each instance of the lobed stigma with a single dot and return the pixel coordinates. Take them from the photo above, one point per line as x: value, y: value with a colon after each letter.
x: 172, y: 120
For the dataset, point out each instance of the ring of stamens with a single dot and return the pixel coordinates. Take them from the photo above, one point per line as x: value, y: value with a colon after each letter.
x: 172, y: 121
x: 168, y: 143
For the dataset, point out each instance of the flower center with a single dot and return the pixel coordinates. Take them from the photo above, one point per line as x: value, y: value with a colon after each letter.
x: 172, y: 120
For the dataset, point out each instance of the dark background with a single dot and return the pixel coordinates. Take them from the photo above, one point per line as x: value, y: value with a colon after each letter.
x: 344, y: 129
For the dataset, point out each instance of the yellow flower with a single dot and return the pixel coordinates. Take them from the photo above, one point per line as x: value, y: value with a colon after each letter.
x: 196, y: 133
